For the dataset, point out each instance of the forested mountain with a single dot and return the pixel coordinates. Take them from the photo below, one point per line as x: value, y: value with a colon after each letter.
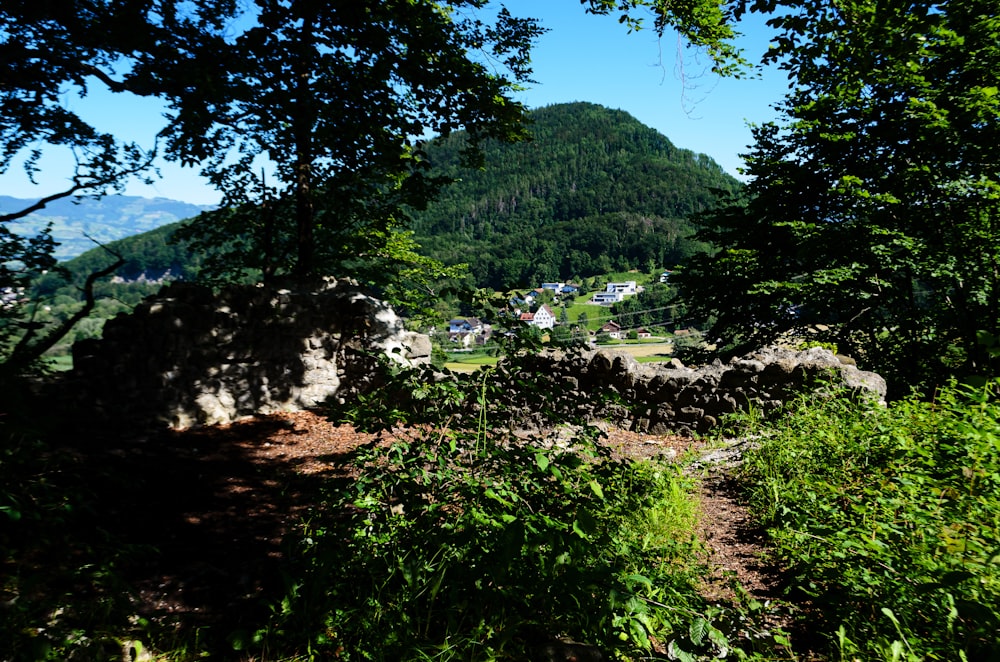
x: 594, y: 191
x: 106, y: 219
x: 148, y: 256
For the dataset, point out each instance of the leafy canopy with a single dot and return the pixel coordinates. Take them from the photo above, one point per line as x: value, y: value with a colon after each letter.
x: 337, y: 97
x: 307, y: 115
x: 871, y: 212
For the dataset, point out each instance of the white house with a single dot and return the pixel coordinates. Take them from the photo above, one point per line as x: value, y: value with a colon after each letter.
x: 615, y: 292
x: 468, y: 325
x: 468, y: 332
x: 543, y: 318
x: 607, y: 298
x: 627, y: 288
x: 612, y: 329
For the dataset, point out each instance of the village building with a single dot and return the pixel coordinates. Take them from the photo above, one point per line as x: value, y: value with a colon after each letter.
x: 543, y: 318
x: 612, y: 328
x: 616, y: 292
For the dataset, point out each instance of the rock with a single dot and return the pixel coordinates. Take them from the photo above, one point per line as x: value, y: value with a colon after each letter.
x: 672, y: 396
x: 188, y: 356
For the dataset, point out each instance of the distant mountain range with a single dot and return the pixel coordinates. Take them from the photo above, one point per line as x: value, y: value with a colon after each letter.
x: 107, y: 219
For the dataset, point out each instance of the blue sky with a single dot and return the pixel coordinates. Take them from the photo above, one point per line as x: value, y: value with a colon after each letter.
x: 582, y: 58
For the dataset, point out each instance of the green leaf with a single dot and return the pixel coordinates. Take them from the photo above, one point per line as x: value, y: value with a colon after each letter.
x: 639, y: 579
x: 675, y: 652
x: 584, y: 525
x: 697, y: 630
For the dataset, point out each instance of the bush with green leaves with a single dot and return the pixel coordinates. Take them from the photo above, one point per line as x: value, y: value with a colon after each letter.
x: 889, y: 518
x: 463, y: 542
x: 62, y: 596
x: 457, y: 547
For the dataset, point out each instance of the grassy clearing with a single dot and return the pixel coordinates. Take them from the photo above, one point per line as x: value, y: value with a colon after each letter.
x: 597, y: 316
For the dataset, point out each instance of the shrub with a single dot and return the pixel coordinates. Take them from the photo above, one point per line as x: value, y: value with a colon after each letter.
x: 888, y: 518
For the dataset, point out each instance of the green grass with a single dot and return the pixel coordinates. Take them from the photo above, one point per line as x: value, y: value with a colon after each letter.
x: 889, y: 519
x: 658, y: 358
x: 60, y: 363
x: 596, y: 315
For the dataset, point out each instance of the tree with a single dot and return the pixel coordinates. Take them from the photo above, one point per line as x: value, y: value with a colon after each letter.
x: 334, y: 96
x: 705, y: 24
x: 872, y: 210
x: 338, y: 97
x: 50, y: 50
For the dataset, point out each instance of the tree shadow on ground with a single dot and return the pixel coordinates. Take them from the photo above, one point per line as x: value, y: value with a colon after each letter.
x: 190, y: 531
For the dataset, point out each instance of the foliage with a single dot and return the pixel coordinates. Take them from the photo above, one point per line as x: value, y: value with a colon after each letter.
x: 22, y: 261
x: 461, y: 543
x: 872, y: 207
x: 54, y: 296
x: 62, y: 595
x: 52, y: 50
x: 704, y: 24
x: 465, y: 549
x: 887, y: 518
x: 336, y: 97
x: 593, y: 192
x: 656, y: 305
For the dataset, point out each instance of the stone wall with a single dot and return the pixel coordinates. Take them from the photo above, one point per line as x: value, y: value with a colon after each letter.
x: 189, y: 356
x: 670, y: 397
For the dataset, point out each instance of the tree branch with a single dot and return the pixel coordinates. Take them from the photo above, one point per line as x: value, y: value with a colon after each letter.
x: 25, y: 353
x: 6, y: 218
x: 80, y: 183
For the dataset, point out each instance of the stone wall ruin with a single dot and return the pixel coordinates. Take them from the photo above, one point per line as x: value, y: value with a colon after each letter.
x: 670, y: 397
x: 190, y: 356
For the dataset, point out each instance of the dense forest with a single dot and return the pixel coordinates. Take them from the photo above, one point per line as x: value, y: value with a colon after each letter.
x: 593, y: 191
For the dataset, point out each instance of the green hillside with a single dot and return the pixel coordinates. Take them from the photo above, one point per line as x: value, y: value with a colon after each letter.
x: 594, y: 191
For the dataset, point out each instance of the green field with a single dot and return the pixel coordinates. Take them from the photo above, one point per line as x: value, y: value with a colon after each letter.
x: 460, y: 362
x: 596, y: 315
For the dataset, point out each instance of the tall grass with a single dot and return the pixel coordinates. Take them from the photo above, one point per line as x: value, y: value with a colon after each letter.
x: 889, y: 520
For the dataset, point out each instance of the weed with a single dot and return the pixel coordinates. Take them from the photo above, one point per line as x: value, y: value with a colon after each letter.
x: 890, y: 519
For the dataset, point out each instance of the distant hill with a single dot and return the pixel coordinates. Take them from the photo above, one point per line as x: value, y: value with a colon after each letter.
x: 107, y: 219
x: 595, y: 191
